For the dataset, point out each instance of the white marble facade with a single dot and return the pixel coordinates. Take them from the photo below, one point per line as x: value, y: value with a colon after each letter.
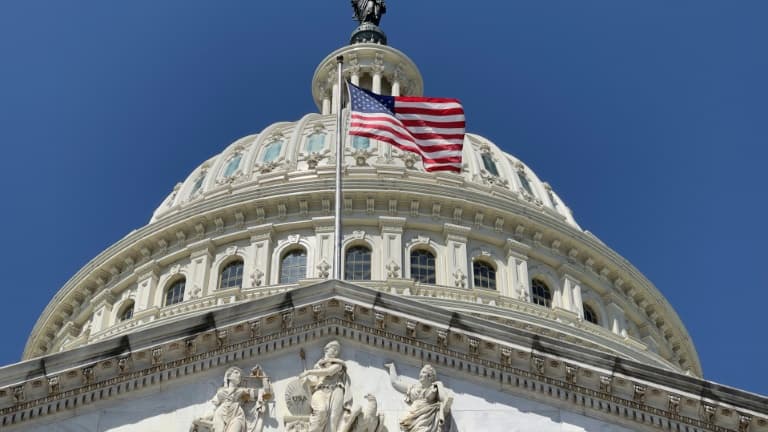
x: 173, y: 408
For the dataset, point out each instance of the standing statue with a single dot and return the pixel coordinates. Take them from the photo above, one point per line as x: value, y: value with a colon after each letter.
x: 369, y: 11
x: 329, y: 384
x: 430, y: 402
x: 237, y: 407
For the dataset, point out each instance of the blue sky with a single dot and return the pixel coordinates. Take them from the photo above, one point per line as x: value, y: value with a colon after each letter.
x: 649, y: 118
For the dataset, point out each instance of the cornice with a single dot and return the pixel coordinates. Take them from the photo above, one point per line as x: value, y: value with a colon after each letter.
x: 164, y: 238
x: 528, y: 365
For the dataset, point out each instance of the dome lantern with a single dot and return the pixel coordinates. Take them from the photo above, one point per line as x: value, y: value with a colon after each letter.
x: 368, y: 62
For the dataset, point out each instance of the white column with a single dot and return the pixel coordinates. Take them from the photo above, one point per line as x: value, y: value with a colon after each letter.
x: 456, y: 259
x: 199, y: 271
x: 396, y: 88
x: 326, y: 106
x: 260, y: 253
x: 335, y: 99
x: 571, y: 294
x: 104, y: 302
x: 147, y: 285
x: 615, y: 318
x: 517, y: 270
x: 324, y: 230
x: 392, y: 242
x: 355, y: 78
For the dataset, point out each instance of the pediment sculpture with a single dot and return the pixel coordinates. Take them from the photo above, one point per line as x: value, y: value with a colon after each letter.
x: 320, y: 399
x: 240, y: 405
x: 430, y: 402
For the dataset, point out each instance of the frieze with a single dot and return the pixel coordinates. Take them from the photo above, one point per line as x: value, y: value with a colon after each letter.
x: 351, y: 327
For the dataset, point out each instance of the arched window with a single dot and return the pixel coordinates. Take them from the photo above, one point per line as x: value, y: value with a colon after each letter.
x: 589, y: 314
x: 360, y: 143
x: 524, y: 181
x: 272, y: 151
x: 293, y: 266
x: 542, y: 296
x: 357, y: 263
x: 489, y: 164
x: 423, y: 266
x: 198, y: 183
x: 126, y: 312
x: 484, y: 275
x: 175, y: 293
x: 232, y: 165
x: 232, y: 275
x: 316, y: 142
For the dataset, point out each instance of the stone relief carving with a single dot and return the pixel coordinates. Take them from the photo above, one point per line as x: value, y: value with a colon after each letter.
x: 320, y: 399
x: 361, y: 156
x: 460, y: 280
x: 430, y: 403
x: 366, y: 418
x: 327, y: 389
x: 240, y: 405
x: 256, y: 277
x: 313, y: 159
x: 393, y: 270
x: 323, y: 269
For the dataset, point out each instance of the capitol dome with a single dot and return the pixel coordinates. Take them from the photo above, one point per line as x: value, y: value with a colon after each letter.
x: 494, y: 242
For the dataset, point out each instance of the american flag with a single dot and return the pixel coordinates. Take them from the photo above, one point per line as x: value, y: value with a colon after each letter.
x: 430, y: 127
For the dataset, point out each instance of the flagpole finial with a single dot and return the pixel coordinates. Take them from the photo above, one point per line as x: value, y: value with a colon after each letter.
x: 340, y: 59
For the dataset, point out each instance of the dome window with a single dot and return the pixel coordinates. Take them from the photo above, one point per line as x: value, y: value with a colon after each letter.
x: 524, y: 182
x: 541, y: 295
x: 484, y: 275
x: 233, y: 165
x: 360, y: 143
x: 489, y: 164
x: 175, y: 293
x: 127, y: 312
x: 552, y: 198
x: 272, y: 151
x: 590, y: 315
x: 357, y: 263
x: 316, y: 142
x: 293, y: 266
x: 232, y: 275
x: 423, y: 266
x: 198, y: 183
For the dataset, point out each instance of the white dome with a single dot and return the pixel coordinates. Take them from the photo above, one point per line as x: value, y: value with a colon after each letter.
x: 500, y: 243
x: 288, y: 150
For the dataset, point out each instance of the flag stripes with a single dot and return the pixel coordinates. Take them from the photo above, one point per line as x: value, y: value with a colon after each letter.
x: 430, y: 127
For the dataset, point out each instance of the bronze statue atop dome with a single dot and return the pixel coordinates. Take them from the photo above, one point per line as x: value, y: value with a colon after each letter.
x: 369, y: 11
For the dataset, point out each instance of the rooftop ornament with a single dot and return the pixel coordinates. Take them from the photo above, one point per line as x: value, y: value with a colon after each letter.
x: 368, y: 13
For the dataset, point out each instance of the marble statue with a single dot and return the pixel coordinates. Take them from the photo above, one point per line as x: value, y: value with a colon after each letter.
x: 430, y: 403
x: 365, y: 418
x: 238, y: 405
x: 369, y: 11
x: 329, y: 385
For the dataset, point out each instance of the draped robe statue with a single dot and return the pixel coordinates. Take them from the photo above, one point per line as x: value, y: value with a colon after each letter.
x: 369, y: 11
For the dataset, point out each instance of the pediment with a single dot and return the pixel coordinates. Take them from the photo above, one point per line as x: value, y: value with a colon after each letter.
x: 501, y: 378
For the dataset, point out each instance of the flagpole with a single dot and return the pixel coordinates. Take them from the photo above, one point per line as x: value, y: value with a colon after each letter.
x: 339, y: 163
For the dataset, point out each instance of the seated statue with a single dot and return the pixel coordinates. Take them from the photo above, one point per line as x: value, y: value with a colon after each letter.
x: 430, y: 403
